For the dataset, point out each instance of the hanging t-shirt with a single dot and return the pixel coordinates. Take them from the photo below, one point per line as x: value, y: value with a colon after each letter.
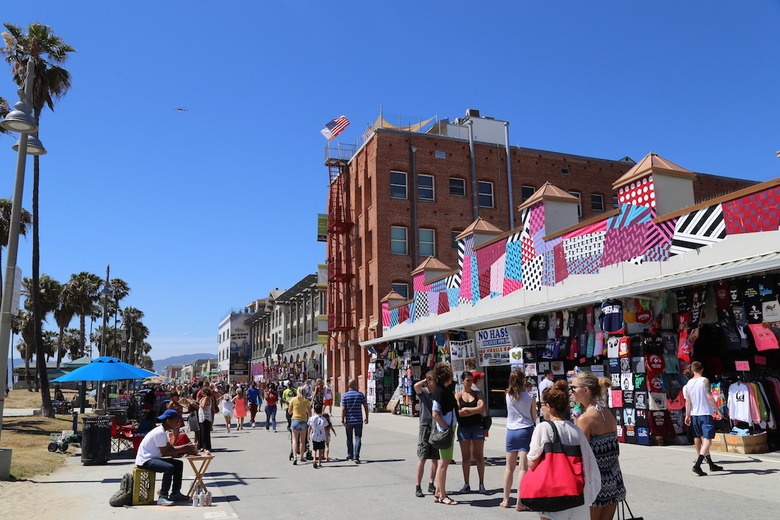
x: 739, y: 403
x: 638, y: 365
x: 615, y: 380
x: 728, y: 330
x: 640, y: 400
x: 736, y: 293
x: 616, y: 398
x: 565, y: 323
x: 770, y: 310
x: 625, y: 364
x: 624, y: 346
x: 661, y: 423
x: 655, y: 382
x: 621, y: 431
x: 657, y: 401
x: 696, y: 304
x: 537, y: 327
x: 577, y: 321
x: 613, y: 365
x: 722, y: 300
x: 558, y: 317
x: 598, y: 343
x: 753, y: 300
x: 613, y: 347
x: 626, y: 381
x: 672, y: 364
x: 628, y: 398
x: 669, y: 342
x: 682, y: 301
x: 611, y: 316
x: 589, y: 319
x: 640, y: 382
x: 655, y: 363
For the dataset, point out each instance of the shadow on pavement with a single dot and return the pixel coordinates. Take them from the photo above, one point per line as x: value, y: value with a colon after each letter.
x: 488, y: 502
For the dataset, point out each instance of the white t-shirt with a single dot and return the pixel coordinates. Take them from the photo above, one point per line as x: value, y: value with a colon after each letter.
x: 328, y: 392
x: 519, y: 411
x: 739, y: 403
x: 544, y: 385
x: 698, y: 390
x: 227, y: 407
x: 318, y: 424
x: 151, y: 444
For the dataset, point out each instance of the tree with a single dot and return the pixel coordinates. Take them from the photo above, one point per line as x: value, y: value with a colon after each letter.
x: 5, y: 225
x: 51, y: 82
x: 24, y: 326
x: 82, y: 296
x: 63, y: 315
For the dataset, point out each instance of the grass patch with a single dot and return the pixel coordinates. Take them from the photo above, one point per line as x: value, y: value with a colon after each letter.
x: 25, y: 399
x: 28, y: 437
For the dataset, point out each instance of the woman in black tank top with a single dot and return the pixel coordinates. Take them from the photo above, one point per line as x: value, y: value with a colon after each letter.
x: 471, y: 434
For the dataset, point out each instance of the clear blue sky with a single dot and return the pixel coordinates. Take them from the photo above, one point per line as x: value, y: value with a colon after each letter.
x: 208, y: 209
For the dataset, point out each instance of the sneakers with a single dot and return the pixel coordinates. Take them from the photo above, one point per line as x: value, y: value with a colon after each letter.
x: 465, y: 489
x: 715, y: 467
x: 699, y: 471
x: 357, y: 461
x: 431, y: 487
x: 178, y: 497
x: 162, y: 501
x: 295, y: 462
x: 418, y: 492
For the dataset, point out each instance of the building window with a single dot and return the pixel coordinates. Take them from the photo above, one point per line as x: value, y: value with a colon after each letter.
x: 615, y: 202
x: 397, y: 185
x: 596, y: 202
x: 401, y: 288
x: 564, y: 171
x: 454, y: 238
x: 485, y: 194
x: 427, y: 242
x: 440, y: 154
x: 457, y: 187
x: 579, y: 204
x: 526, y: 192
x: 398, y: 240
x: 425, y: 187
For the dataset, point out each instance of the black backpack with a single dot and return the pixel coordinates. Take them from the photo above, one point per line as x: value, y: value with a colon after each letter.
x: 123, y: 497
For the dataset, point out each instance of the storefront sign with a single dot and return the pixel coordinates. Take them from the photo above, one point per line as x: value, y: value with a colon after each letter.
x: 493, y: 345
x: 463, y: 357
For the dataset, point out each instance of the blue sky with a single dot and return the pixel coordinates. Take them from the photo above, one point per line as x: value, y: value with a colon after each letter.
x: 208, y: 209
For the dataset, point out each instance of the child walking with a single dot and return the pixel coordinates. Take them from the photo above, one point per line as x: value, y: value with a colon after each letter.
x: 227, y: 410
x: 328, y: 430
x: 317, y: 426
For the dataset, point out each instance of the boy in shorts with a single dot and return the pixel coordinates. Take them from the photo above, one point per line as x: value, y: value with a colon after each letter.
x: 317, y: 433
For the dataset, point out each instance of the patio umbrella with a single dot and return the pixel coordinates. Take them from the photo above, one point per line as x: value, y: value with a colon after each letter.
x: 105, y: 369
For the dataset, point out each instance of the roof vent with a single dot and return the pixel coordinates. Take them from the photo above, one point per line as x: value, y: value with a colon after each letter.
x: 472, y: 112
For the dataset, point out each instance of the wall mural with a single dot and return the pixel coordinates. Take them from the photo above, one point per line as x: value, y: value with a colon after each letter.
x: 524, y: 260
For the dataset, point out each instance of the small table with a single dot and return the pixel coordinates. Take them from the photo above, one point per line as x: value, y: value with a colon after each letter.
x: 199, y: 464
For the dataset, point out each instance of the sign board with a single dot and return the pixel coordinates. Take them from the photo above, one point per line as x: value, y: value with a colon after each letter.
x: 322, y: 227
x: 392, y: 404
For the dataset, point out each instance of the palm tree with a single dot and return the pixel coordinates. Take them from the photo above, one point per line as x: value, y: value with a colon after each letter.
x: 82, y: 296
x: 63, y: 314
x: 119, y: 290
x: 5, y: 224
x: 23, y: 325
x: 47, y: 50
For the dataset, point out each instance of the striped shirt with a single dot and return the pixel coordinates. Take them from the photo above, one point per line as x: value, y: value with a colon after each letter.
x: 352, y: 402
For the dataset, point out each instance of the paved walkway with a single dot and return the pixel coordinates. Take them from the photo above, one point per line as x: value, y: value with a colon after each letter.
x: 254, y: 478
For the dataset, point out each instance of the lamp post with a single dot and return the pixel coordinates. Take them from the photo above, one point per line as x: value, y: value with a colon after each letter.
x: 21, y: 120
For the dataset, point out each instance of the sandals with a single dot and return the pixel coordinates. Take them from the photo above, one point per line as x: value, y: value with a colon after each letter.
x: 521, y: 507
x: 447, y: 501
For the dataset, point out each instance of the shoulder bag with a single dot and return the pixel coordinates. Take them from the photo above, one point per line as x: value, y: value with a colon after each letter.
x: 441, y: 440
x: 558, y: 481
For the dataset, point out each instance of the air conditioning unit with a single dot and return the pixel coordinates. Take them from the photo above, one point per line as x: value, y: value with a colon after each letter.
x: 472, y: 112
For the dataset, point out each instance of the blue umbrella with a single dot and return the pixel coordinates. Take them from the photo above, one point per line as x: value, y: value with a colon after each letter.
x: 105, y: 369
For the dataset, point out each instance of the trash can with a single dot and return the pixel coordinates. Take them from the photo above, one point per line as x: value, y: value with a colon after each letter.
x: 96, y: 440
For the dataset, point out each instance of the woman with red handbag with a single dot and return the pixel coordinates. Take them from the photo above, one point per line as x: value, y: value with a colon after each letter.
x: 573, y: 484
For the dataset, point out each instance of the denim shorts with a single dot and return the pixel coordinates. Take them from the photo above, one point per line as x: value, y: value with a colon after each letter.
x: 703, y: 426
x: 519, y: 440
x: 299, y: 426
x: 471, y: 433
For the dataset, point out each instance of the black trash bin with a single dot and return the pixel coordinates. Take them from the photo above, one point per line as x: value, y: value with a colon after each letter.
x: 96, y: 440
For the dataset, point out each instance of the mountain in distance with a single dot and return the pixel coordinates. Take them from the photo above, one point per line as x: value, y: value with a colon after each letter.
x: 160, y: 364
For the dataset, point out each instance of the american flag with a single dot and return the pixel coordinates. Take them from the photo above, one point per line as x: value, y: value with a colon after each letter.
x: 334, y: 127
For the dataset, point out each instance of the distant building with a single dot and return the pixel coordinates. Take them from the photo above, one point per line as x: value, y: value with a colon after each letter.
x: 234, y: 350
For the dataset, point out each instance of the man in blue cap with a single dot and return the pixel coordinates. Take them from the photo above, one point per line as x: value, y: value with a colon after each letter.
x: 154, y: 447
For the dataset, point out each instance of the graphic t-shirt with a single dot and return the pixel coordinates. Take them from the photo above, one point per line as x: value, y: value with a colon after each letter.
x: 657, y: 401
x: 624, y: 346
x: 640, y: 382
x: 611, y: 316
x: 661, y: 423
x: 538, y: 326
x: 318, y: 424
x: 655, y: 363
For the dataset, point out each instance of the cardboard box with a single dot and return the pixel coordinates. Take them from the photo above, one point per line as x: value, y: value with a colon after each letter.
x: 719, y: 443
x: 747, y: 444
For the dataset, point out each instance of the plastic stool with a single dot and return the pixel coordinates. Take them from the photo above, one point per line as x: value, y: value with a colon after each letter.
x: 143, y: 486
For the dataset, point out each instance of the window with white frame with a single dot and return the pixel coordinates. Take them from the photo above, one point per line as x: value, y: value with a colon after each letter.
x: 485, y: 194
x: 427, y: 242
x: 425, y: 189
x: 398, y: 240
x: 596, y: 202
x: 579, y: 204
x: 398, y: 185
x: 457, y: 187
x: 401, y: 288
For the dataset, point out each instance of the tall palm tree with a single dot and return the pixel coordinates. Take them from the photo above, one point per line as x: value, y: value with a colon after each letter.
x: 82, y: 296
x: 23, y: 325
x: 48, y: 296
x: 63, y: 314
x: 119, y: 290
x: 51, y: 82
x: 5, y: 225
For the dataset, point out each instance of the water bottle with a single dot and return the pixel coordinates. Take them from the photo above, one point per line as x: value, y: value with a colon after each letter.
x: 207, y: 499
x: 194, y: 500
x: 201, y: 498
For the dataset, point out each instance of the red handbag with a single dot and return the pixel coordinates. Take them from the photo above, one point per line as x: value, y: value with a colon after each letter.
x: 558, y: 481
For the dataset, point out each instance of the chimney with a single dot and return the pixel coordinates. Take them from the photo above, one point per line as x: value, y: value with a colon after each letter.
x: 656, y: 183
x: 559, y: 208
x: 431, y: 269
x: 482, y: 231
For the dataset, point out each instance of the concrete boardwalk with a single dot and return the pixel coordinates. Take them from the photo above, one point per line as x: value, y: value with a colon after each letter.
x: 254, y: 478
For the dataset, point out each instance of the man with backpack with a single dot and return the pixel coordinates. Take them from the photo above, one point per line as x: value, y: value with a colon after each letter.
x: 156, y: 454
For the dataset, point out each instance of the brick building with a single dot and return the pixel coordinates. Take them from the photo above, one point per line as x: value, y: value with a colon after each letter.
x: 405, y: 195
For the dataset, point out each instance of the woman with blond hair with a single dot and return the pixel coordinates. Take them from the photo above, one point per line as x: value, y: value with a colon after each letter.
x: 299, y: 409
x: 600, y: 428
x: 520, y: 421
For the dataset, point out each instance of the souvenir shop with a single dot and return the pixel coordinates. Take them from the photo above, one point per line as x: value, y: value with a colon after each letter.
x: 641, y: 335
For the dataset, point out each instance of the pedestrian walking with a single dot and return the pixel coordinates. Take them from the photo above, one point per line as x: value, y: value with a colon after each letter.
x: 328, y: 431
x: 555, y: 407
x: 352, y: 419
x: 254, y: 398
x: 205, y: 418
x: 299, y: 410
x: 600, y: 428
x: 227, y: 411
x: 700, y: 408
x: 270, y: 408
x: 287, y: 396
x: 471, y: 432
x: 520, y: 421
x: 240, y: 402
x: 317, y: 433
x: 443, y: 411
x: 425, y: 451
x: 327, y: 402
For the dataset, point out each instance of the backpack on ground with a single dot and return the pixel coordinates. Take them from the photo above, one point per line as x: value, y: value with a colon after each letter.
x: 123, y: 497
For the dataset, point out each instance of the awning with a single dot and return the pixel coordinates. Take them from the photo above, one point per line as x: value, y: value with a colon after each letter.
x: 739, y: 255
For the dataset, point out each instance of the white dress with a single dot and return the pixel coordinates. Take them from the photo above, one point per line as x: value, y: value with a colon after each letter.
x: 570, y: 434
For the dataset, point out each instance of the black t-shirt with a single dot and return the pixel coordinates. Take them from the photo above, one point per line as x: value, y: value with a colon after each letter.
x: 538, y: 326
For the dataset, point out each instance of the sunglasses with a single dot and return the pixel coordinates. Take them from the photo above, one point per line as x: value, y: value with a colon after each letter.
x: 543, y: 403
x: 572, y: 387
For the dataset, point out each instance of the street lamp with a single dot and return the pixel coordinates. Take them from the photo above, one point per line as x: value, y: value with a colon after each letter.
x: 18, y: 120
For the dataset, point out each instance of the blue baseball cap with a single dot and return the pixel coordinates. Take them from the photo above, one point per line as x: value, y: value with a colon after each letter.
x: 168, y: 414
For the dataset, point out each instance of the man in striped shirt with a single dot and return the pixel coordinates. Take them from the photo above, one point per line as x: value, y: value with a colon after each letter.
x: 352, y: 419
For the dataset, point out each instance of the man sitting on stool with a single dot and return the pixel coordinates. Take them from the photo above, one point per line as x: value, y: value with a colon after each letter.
x: 154, y: 447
